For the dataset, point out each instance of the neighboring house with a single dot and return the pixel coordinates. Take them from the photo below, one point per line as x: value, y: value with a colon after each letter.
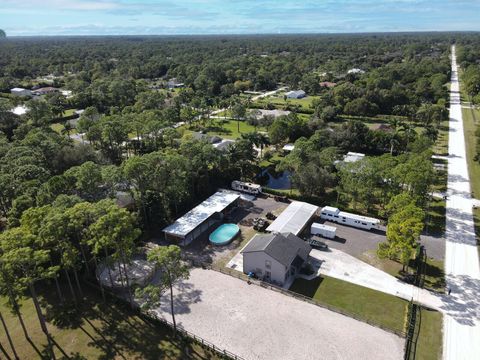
x: 382, y: 127
x: 19, y: 110
x: 223, y: 145
x: 259, y: 113
x: 288, y: 148
x: 276, y: 258
x: 328, y: 84
x: 297, y: 94
x: 173, y: 84
x: 44, y: 91
x: 20, y: 92
x: 355, y: 71
x: 353, y: 157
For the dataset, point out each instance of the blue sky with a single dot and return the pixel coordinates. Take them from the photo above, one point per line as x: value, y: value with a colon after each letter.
x: 131, y: 17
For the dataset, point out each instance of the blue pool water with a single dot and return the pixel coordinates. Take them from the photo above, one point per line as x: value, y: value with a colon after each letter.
x: 224, y: 234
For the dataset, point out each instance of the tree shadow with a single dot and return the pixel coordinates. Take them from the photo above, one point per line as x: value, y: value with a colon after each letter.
x: 462, y: 303
x: 185, y: 295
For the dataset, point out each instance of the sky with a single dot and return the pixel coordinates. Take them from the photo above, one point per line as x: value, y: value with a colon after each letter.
x: 163, y: 17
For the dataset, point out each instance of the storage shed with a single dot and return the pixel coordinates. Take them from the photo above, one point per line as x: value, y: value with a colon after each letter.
x: 198, y: 220
x: 294, y: 218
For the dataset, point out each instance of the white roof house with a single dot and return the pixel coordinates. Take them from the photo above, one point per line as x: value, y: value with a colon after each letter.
x: 259, y: 113
x: 224, y: 144
x: 288, y: 147
x: 185, y: 225
x: 19, y: 110
x: 296, y: 94
x: 353, y: 157
x: 20, y: 91
x: 355, y: 71
x: 294, y: 218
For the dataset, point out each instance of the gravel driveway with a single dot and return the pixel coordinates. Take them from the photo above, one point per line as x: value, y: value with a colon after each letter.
x: 256, y: 323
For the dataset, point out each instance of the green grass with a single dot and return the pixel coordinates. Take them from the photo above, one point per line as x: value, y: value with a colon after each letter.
x: 69, y: 112
x: 441, y: 145
x: 429, y: 345
x: 363, y: 303
x: 471, y: 121
x: 58, y: 128
x: 228, y: 129
x: 279, y: 102
x: 96, y: 332
x: 435, y: 212
x: 434, y: 271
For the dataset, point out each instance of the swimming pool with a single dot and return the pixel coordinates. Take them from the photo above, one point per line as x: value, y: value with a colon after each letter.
x: 224, y: 234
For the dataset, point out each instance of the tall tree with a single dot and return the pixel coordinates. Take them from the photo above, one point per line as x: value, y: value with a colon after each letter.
x: 168, y: 260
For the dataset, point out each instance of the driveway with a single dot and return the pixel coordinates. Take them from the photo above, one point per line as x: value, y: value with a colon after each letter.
x: 257, y: 323
x: 461, y: 328
x: 357, y: 242
x: 339, y: 265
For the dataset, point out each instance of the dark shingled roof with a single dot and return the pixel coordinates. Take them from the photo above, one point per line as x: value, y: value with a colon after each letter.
x: 282, y: 247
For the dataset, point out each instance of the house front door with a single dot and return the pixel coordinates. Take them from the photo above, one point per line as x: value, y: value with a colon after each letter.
x: 268, y: 275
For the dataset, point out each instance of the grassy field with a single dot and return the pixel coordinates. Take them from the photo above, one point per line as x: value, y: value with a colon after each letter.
x: 434, y: 273
x: 279, y: 102
x: 429, y: 345
x: 109, y: 331
x: 441, y: 145
x: 471, y: 121
x: 228, y: 129
x: 370, y: 305
x: 435, y: 223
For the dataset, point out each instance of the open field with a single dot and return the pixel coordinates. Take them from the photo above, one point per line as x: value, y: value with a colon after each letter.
x: 374, y: 306
x: 429, y: 345
x: 227, y: 129
x: 97, y: 331
x: 471, y: 121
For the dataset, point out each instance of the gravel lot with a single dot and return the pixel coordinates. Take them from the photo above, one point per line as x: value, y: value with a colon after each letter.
x: 256, y: 323
x: 356, y: 242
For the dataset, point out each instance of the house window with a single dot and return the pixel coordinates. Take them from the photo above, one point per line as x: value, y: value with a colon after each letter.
x: 268, y: 264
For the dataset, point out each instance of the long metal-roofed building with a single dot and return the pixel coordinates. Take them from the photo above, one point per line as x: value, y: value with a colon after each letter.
x: 198, y: 220
x: 294, y: 218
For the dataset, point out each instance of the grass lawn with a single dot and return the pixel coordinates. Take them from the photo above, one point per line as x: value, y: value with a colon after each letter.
x: 434, y: 273
x: 373, y: 306
x: 109, y: 331
x: 58, y: 128
x: 441, y: 145
x: 471, y: 121
x: 429, y: 345
x: 228, y: 129
x: 435, y: 212
x: 281, y: 103
x: 69, y: 112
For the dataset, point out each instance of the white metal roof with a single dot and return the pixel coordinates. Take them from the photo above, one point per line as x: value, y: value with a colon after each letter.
x: 330, y: 209
x: 17, y: 89
x: 288, y: 147
x: 353, y: 157
x: 293, y: 218
x: 188, y: 222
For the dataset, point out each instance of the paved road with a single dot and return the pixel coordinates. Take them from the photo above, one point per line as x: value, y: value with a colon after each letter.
x: 461, y: 328
x: 257, y: 323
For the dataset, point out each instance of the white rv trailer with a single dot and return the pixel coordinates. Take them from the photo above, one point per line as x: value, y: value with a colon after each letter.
x: 362, y: 222
x: 248, y: 188
x: 325, y: 231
